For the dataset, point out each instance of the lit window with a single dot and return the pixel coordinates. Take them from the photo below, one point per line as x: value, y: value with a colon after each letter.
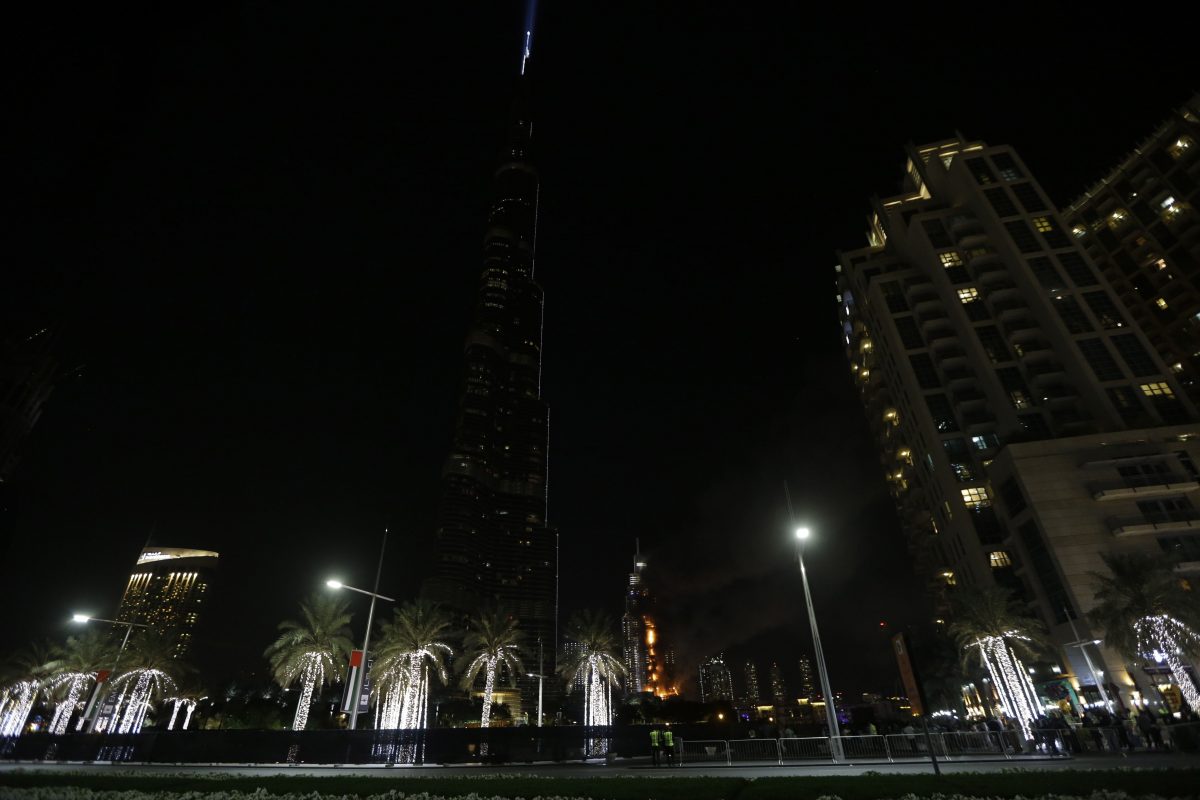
x: 976, y: 497
x: 1043, y: 224
x: 968, y: 295
x: 950, y: 579
x: 1161, y: 264
x: 951, y: 259
x: 1079, y: 232
x: 1170, y: 201
x: 1181, y: 146
x: 1159, y: 389
x: 1160, y: 302
x: 892, y: 416
x: 998, y: 559
x: 1116, y: 218
x: 1177, y: 366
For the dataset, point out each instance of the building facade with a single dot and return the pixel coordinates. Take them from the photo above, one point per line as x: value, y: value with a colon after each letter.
x: 167, y: 591
x: 1141, y: 226
x: 716, y: 683
x: 779, y: 692
x: 493, y: 544
x: 1068, y: 502
x: 751, y: 695
x: 635, y: 648
x: 808, y: 682
x: 972, y: 320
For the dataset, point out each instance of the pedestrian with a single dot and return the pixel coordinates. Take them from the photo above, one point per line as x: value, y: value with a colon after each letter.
x: 669, y: 746
x: 655, y: 747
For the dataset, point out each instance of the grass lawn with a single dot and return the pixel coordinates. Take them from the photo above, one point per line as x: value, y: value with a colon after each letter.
x: 1166, y: 783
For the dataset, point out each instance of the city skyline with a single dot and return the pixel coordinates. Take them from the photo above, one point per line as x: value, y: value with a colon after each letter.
x: 216, y: 392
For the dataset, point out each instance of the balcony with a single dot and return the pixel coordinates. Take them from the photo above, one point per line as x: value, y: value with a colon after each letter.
x: 1155, y: 523
x: 967, y: 396
x: 1143, y: 486
x: 977, y: 419
x: 958, y: 376
x: 928, y: 318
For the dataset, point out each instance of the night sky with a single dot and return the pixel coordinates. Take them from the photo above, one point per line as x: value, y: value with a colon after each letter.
x: 259, y: 233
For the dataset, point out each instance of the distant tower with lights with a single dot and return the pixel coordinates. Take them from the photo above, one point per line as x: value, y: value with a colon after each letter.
x: 167, y: 591
x: 716, y: 683
x: 807, y: 686
x: 779, y: 693
x: 751, y: 695
x: 493, y: 544
x: 634, y: 628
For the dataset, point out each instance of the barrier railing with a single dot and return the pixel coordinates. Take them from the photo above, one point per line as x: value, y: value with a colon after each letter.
x: 703, y: 750
x: 891, y: 747
x: 755, y: 750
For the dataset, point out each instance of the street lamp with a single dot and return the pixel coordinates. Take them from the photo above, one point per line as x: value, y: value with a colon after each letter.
x: 1082, y: 645
x: 540, y: 678
x: 835, y: 744
x: 83, y: 619
x: 358, y: 680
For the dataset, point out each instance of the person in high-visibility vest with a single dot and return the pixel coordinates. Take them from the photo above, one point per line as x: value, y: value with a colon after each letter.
x: 669, y: 746
x: 655, y: 747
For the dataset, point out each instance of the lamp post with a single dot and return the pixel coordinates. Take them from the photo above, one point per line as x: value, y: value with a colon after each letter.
x: 835, y: 744
x: 540, y: 678
x: 1082, y: 645
x: 83, y: 619
x: 358, y: 681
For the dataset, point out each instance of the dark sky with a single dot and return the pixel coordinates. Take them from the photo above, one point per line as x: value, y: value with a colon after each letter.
x: 260, y: 230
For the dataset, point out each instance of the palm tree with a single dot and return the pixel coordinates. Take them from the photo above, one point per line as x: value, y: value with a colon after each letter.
x: 595, y: 658
x: 991, y: 628
x: 150, y: 670
x: 23, y: 678
x: 82, y: 657
x: 407, y: 646
x: 310, y: 649
x: 1143, y: 609
x: 185, y: 696
x: 491, y: 644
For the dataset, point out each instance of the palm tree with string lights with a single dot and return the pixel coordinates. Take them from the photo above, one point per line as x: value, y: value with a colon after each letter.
x: 1144, y: 611
x: 992, y: 630
x: 409, y: 646
x: 24, y: 677
x: 492, y: 647
x: 595, y: 661
x: 149, y: 672
x: 309, y: 650
x: 80, y: 659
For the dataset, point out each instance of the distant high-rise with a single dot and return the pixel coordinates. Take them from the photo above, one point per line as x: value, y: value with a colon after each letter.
x: 715, y: 681
x: 779, y: 693
x: 167, y: 592
x: 493, y: 544
x: 974, y: 319
x: 633, y: 628
x: 751, y: 696
x: 1141, y: 225
x: 807, y: 684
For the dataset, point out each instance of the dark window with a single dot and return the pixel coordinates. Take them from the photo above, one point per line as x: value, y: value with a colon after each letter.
x: 958, y: 275
x: 1046, y: 274
x: 956, y: 449
x: 1152, y: 473
x: 1167, y: 509
x: 1126, y: 401
x: 1136, y: 358
x: 942, y: 413
x: 1034, y: 425
x: 1001, y: 202
x: 987, y: 526
x: 1104, y: 310
x: 976, y: 310
x: 936, y: 232
x: 927, y: 376
x: 1188, y: 464
x: 1072, y: 315
x: 1077, y: 269
x: 981, y: 171
x: 1100, y: 359
x: 894, y: 296
x: 1170, y: 409
x: 1014, y: 384
x: 1029, y: 197
x: 909, y: 335
x: 1182, y: 548
x: 1014, y: 499
x: 1022, y: 236
x: 1043, y: 567
x: 1006, y: 165
x: 993, y: 343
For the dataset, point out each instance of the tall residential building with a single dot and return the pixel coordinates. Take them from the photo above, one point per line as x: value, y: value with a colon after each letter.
x: 167, y: 591
x: 633, y: 627
x: 972, y: 320
x: 751, y: 696
x: 1070, y: 501
x: 493, y: 544
x: 1141, y: 225
x: 808, y: 685
x: 715, y: 681
x: 779, y: 693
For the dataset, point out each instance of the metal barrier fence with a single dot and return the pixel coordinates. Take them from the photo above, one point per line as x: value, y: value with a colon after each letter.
x: 703, y: 750
x: 892, y: 747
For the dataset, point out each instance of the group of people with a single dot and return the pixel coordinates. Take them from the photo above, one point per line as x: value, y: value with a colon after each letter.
x: 1106, y: 731
x: 662, y: 745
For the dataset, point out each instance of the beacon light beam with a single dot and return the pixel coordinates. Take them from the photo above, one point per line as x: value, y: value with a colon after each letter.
x: 530, y: 15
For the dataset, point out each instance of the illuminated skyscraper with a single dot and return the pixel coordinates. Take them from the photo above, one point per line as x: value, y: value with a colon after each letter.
x: 167, y: 592
x: 634, y: 629
x: 715, y: 681
x: 807, y: 685
x: 751, y: 696
x: 493, y: 544
x: 779, y: 694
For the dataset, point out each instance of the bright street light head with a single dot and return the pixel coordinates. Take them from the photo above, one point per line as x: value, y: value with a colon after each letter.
x: 80, y: 617
x: 802, y: 533
x: 332, y: 584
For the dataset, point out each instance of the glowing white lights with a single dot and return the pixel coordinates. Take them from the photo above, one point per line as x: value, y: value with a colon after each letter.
x: 1010, y: 678
x: 15, y: 707
x: 1168, y: 637
x: 142, y: 686
x: 64, y: 709
x: 312, y: 674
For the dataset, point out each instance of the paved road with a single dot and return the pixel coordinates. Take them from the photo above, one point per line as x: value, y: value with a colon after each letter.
x: 632, y: 767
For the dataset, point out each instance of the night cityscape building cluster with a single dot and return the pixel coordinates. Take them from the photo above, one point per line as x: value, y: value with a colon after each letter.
x: 1029, y: 372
